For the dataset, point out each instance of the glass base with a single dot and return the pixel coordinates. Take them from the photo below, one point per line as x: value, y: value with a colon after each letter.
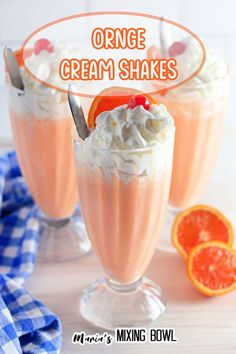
x: 109, y: 305
x: 62, y: 239
x: 165, y: 243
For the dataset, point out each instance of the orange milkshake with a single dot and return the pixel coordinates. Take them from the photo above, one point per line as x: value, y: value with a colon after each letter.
x: 199, y: 129
x: 45, y: 155
x: 124, y: 170
x: 41, y: 125
x: 124, y: 229
x: 199, y: 108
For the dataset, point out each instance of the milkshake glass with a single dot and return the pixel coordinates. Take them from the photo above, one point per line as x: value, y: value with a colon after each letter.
x: 123, y: 195
x: 199, y: 128
x: 41, y: 125
x: 199, y: 109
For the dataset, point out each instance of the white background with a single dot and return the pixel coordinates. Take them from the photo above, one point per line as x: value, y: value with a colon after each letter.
x: 213, y: 20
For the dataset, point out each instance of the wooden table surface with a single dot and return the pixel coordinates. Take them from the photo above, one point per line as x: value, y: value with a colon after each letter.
x: 202, y: 325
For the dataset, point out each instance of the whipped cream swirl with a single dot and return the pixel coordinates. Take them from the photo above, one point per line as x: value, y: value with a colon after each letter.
x: 211, y: 78
x: 40, y: 101
x: 128, y: 142
x: 45, y: 66
x: 125, y: 128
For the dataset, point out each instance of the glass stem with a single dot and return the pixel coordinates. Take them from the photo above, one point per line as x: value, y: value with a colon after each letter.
x: 173, y: 210
x: 124, y: 287
x: 56, y: 223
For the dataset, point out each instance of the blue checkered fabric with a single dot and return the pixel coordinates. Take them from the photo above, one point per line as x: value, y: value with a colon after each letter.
x: 26, y: 325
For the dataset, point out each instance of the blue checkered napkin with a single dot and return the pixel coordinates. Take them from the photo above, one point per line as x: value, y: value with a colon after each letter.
x: 26, y: 325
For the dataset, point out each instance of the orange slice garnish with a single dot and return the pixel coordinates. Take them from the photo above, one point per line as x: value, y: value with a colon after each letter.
x: 211, y: 267
x: 200, y: 224
x: 19, y: 55
x: 109, y: 99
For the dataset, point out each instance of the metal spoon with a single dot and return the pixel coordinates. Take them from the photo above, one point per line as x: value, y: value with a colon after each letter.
x: 78, y: 114
x: 13, y: 69
x: 165, y: 37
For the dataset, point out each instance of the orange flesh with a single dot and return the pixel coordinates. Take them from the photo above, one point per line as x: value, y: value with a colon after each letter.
x: 19, y: 54
x: 201, y: 226
x: 110, y: 102
x: 109, y: 99
x: 214, y: 267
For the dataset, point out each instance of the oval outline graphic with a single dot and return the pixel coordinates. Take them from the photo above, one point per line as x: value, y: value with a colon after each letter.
x: 99, y: 13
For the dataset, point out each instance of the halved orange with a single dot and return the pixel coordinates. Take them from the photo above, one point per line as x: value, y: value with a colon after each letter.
x: 200, y: 224
x: 211, y: 267
x: 109, y: 99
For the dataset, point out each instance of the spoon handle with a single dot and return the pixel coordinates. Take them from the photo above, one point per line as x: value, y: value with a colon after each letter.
x: 13, y: 69
x: 165, y: 37
x: 78, y: 116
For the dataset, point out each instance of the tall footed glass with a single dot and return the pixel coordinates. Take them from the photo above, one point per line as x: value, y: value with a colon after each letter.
x: 41, y: 129
x: 199, y: 116
x: 123, y: 196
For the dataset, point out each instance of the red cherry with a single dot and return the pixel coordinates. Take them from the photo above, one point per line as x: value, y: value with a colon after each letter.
x: 42, y: 44
x: 139, y: 100
x: 177, y: 48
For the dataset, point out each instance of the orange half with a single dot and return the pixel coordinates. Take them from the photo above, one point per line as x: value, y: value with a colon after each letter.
x: 109, y: 99
x: 200, y: 224
x: 211, y: 267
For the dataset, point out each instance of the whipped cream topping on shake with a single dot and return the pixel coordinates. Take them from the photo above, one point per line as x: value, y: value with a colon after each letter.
x: 214, y: 67
x: 45, y: 66
x: 125, y: 128
x: 39, y: 98
x: 213, y: 70
x: 130, y: 135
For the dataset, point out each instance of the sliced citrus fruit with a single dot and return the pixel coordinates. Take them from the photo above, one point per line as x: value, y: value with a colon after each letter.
x: 200, y: 224
x: 20, y: 53
x: 109, y: 99
x: 211, y: 267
